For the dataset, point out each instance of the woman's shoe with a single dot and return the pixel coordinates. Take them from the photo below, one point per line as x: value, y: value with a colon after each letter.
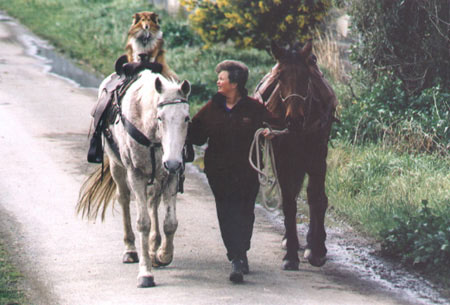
x: 236, y: 275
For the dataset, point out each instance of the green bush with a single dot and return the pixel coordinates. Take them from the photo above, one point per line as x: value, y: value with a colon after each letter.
x: 383, y: 112
x: 420, y: 239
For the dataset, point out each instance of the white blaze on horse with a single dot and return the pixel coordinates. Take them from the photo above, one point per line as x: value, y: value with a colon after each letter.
x: 145, y: 137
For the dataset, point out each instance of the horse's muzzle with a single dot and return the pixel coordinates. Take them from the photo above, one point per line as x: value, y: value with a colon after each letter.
x: 295, y: 125
x: 172, y: 166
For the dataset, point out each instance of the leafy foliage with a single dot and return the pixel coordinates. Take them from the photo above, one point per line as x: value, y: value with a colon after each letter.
x: 408, y: 38
x: 421, y: 239
x: 255, y: 23
x: 384, y: 113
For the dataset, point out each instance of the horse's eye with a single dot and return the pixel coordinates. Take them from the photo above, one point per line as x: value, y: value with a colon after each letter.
x: 313, y: 58
x: 186, y: 119
x: 159, y: 119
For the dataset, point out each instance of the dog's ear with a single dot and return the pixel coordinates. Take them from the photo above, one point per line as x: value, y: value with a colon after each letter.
x: 158, y: 85
x: 136, y: 18
x: 155, y: 18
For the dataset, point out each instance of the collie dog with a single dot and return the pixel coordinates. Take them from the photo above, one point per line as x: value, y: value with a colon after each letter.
x: 146, y: 37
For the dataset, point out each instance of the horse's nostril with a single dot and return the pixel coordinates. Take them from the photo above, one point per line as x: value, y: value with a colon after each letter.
x: 172, y: 166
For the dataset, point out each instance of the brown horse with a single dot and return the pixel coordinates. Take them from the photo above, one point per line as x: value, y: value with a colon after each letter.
x: 296, y: 91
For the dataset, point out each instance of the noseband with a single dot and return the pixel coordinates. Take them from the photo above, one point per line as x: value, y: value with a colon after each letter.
x: 284, y: 99
x: 172, y: 102
x: 303, y: 99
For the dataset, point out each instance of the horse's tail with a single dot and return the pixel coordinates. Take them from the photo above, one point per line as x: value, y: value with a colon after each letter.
x: 96, y: 193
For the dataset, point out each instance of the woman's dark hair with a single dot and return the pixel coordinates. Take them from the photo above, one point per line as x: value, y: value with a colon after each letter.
x: 237, y: 73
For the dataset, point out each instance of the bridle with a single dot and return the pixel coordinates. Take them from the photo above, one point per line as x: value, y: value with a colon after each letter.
x: 135, y: 133
x: 303, y: 99
x: 172, y: 102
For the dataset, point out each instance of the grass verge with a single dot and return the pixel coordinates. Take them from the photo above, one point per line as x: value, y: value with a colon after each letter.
x: 401, y: 199
x: 10, y: 292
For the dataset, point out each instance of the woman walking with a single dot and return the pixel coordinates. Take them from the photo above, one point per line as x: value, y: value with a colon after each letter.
x: 228, y: 123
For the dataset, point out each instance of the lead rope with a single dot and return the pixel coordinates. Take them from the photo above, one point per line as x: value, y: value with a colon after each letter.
x: 266, y: 154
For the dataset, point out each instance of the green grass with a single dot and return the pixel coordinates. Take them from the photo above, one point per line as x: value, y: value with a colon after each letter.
x: 403, y: 200
x: 93, y: 32
x: 370, y: 185
x: 10, y: 293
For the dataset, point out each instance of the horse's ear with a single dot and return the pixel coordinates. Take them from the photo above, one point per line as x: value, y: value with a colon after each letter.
x: 307, y: 49
x: 186, y: 88
x: 277, y: 52
x: 158, y: 85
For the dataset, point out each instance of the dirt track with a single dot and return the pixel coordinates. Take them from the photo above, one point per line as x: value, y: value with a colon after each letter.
x: 43, y: 141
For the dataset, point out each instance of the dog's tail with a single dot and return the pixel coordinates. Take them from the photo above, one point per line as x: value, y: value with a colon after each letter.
x: 96, y: 193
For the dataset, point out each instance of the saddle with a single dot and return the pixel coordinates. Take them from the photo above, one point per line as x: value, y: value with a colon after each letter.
x: 107, y: 107
x: 126, y: 74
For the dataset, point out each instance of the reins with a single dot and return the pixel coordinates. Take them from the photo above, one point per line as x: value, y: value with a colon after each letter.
x: 134, y: 132
x: 264, y: 151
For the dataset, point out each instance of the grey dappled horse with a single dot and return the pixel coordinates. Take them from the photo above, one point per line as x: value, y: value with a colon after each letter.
x: 147, y: 162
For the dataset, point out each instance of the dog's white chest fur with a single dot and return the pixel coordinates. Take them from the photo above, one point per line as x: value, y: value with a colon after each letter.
x: 139, y: 48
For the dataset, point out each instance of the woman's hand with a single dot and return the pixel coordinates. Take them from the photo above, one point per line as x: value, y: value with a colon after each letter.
x: 268, y: 134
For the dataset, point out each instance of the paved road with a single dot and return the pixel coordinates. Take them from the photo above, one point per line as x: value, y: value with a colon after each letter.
x: 44, y: 122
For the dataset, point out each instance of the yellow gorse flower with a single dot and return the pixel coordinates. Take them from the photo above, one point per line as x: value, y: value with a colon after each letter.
x: 247, y: 41
x: 289, y: 19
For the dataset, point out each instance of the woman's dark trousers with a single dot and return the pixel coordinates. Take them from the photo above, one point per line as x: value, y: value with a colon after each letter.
x: 235, y: 203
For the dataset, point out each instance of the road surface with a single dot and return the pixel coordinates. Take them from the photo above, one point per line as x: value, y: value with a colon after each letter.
x: 44, y: 122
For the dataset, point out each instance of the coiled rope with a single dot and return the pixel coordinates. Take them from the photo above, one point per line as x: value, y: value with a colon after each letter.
x: 264, y: 154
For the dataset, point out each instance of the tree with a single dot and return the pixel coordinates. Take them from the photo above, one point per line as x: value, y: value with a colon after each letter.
x: 255, y: 23
x: 408, y: 38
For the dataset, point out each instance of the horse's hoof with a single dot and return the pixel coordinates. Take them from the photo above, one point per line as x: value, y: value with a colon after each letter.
x: 290, y: 265
x: 159, y: 263
x: 130, y: 258
x: 316, y: 261
x: 145, y: 282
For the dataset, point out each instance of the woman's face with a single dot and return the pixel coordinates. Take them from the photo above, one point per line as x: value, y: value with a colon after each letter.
x: 223, y: 84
